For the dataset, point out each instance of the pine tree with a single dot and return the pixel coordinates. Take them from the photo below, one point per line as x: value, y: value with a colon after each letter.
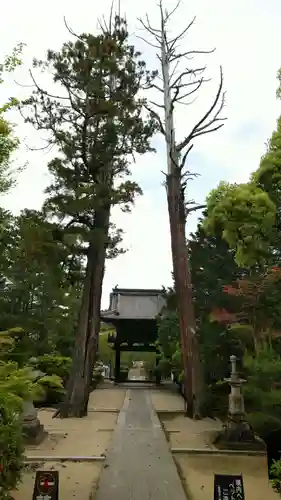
x: 97, y: 125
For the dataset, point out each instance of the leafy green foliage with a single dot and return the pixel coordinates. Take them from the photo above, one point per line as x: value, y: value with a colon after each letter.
x: 40, y: 288
x: 268, y: 178
x: 53, y: 372
x: 53, y: 389
x: 168, y: 342
x: 18, y: 381
x: 54, y: 365
x: 275, y: 472
x: 8, y: 142
x: 11, y: 445
x: 246, y: 216
x: 105, y: 351
x: 262, y: 391
x: 268, y: 175
x: 16, y: 384
x: 212, y: 267
x: 11, y: 61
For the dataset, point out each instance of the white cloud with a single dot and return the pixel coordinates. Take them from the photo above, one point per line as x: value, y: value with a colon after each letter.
x: 247, y: 37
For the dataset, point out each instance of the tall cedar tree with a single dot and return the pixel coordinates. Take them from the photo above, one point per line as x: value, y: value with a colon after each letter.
x: 178, y: 85
x: 97, y: 126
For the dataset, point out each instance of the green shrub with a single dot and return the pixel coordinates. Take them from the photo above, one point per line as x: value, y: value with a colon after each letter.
x: 53, y: 390
x: 11, y: 444
x: 54, y: 365
x: 15, y: 385
x: 275, y: 472
x: 18, y: 381
x: 261, y: 392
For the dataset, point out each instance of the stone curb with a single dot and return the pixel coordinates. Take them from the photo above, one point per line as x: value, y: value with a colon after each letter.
x: 30, y: 459
x: 203, y: 451
x: 160, y: 412
x: 103, y: 410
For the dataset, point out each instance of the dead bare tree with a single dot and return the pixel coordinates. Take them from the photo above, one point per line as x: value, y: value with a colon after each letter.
x: 176, y: 86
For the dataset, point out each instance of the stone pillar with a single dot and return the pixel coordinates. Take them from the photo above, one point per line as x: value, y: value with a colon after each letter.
x: 117, y: 362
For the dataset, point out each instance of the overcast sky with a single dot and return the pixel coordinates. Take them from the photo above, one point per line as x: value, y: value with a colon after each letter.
x: 247, y: 38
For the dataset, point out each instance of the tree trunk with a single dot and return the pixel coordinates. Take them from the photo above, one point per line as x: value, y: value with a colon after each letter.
x: 187, y: 320
x: 86, y: 341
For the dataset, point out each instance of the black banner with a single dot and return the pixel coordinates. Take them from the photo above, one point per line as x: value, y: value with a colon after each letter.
x: 228, y: 487
x: 46, y: 485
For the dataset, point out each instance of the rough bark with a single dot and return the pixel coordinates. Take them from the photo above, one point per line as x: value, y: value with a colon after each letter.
x: 187, y: 320
x: 86, y: 340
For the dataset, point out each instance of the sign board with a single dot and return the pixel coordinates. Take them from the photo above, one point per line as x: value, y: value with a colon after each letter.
x: 46, y: 485
x: 228, y: 487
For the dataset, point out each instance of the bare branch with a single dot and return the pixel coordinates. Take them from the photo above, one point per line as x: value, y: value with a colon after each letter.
x: 157, y: 117
x: 215, y: 117
x: 42, y: 91
x: 187, y: 72
x: 197, y: 84
x: 200, y: 127
x: 157, y: 105
x: 47, y: 148
x: 185, y: 157
x: 22, y: 85
x: 173, y: 160
x: 179, y: 98
x: 153, y: 31
x: 190, y: 102
x: 189, y: 53
x: 168, y: 15
x: 148, y: 43
x: 173, y: 71
x: 149, y: 25
x: 153, y: 85
x: 181, y: 35
x: 108, y: 28
x: 175, y: 97
x: 209, y: 130
x: 187, y: 176
x: 194, y: 209
x: 71, y: 31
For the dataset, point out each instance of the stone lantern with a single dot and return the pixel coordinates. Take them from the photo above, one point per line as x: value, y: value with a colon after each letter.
x: 32, y: 428
x: 237, y: 433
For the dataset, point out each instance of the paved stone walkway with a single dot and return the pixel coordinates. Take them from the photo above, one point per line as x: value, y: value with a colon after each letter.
x: 139, y: 464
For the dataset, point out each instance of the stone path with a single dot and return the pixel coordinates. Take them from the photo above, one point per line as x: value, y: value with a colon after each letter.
x: 139, y: 464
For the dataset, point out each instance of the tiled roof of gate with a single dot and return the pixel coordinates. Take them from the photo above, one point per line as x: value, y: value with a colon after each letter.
x: 143, y: 312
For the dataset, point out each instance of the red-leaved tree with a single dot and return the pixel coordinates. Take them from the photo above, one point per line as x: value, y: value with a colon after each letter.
x: 256, y: 307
